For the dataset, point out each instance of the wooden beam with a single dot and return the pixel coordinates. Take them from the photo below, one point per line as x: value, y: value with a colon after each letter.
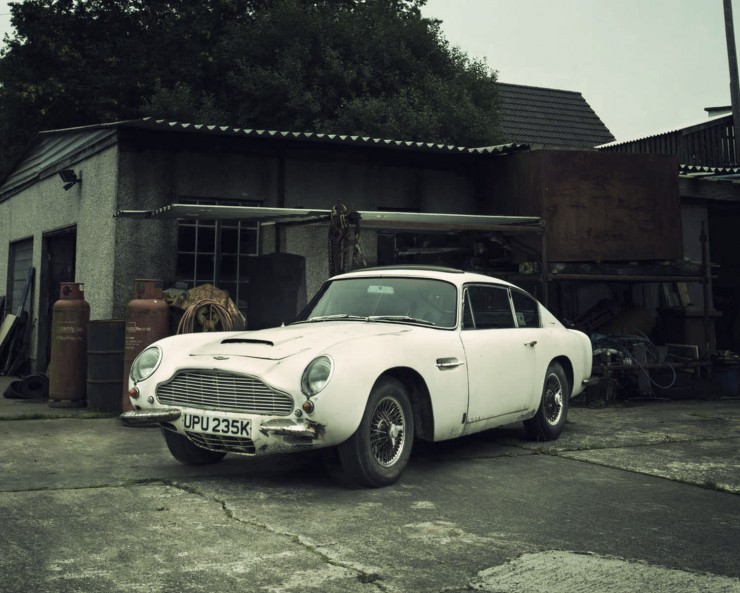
x: 705, y: 189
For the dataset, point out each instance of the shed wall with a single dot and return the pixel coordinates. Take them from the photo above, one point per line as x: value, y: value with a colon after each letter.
x: 313, y: 179
x: 45, y: 207
x: 597, y: 206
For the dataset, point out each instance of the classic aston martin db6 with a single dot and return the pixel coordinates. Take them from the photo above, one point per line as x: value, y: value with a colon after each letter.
x: 378, y: 358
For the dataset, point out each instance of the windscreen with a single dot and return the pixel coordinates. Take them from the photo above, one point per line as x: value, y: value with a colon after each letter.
x: 414, y: 300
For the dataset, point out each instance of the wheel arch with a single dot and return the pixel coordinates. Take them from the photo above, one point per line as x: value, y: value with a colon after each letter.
x: 565, y: 362
x: 421, y: 401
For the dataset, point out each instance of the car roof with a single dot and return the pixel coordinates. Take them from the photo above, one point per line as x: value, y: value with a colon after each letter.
x: 452, y: 275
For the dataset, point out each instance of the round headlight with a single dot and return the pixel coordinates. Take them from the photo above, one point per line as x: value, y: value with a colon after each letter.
x: 145, y: 363
x: 316, y: 375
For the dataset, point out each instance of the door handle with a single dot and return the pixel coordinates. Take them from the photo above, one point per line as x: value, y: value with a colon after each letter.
x: 448, y: 363
x: 531, y: 344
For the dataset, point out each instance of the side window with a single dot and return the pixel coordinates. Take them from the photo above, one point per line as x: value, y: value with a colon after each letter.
x: 526, y: 309
x: 488, y: 307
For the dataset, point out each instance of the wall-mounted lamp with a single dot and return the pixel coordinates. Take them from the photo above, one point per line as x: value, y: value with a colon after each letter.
x: 70, y: 178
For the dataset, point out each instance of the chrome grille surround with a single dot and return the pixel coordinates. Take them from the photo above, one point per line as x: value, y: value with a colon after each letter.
x: 228, y: 392
x: 224, y: 444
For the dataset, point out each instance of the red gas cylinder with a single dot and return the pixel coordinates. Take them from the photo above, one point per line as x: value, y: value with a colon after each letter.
x: 68, y: 366
x: 146, y: 322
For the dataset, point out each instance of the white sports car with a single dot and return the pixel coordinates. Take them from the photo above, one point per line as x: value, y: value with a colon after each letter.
x: 378, y: 358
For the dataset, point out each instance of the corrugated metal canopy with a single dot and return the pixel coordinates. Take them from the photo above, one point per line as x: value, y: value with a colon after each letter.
x: 418, y: 221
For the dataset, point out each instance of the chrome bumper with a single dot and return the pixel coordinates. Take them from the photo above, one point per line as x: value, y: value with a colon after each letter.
x: 279, y: 427
x: 290, y: 428
x: 149, y: 417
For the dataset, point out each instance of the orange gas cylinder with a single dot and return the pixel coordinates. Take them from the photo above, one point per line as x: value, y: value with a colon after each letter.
x: 146, y: 322
x: 68, y: 366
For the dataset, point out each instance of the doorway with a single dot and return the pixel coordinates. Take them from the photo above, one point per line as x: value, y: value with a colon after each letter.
x: 58, y: 265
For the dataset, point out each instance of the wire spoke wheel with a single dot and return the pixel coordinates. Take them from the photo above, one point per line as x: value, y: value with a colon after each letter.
x: 552, y: 399
x: 552, y: 413
x: 379, y: 450
x: 387, y: 432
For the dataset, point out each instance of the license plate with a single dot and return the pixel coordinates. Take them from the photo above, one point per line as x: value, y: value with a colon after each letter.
x: 213, y: 424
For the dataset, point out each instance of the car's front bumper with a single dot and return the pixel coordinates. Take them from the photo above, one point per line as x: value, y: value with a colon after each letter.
x: 267, y: 435
x: 149, y: 417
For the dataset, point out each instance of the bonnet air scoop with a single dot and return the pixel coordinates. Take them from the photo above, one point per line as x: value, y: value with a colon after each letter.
x: 247, y: 341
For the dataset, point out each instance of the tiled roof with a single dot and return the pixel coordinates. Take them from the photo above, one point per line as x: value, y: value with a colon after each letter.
x: 549, y: 117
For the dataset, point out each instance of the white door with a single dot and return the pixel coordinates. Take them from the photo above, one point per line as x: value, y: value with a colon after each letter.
x: 500, y: 356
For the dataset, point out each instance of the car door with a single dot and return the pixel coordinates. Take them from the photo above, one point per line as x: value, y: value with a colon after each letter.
x: 500, y: 356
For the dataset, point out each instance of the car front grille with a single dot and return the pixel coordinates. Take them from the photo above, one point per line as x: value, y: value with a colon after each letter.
x: 226, y: 392
x: 225, y: 444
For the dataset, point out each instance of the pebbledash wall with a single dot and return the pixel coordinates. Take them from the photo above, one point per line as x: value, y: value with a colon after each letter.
x: 44, y: 207
x: 147, y: 169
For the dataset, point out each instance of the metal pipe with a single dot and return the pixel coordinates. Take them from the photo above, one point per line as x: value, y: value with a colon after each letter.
x: 732, y: 61
x: 705, y: 285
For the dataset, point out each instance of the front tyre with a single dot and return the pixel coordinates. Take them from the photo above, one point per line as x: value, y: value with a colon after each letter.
x: 186, y: 452
x: 548, y: 422
x: 377, y: 453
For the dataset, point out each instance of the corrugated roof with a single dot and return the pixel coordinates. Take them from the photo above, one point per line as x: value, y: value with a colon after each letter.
x: 684, y: 129
x: 175, y: 126
x: 56, y: 149
x: 551, y: 117
x: 707, y: 172
x: 52, y: 153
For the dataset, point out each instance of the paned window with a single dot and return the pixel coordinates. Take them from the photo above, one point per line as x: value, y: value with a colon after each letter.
x: 217, y: 252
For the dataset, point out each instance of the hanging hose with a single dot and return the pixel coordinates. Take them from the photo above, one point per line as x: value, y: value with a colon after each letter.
x: 206, y: 314
x: 345, y: 246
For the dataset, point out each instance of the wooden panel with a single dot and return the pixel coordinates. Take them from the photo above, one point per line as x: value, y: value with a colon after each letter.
x: 597, y: 206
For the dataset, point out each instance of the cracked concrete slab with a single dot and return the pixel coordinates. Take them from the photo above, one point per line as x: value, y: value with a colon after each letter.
x: 710, y: 464
x: 150, y: 538
x: 88, y: 505
x: 565, y: 572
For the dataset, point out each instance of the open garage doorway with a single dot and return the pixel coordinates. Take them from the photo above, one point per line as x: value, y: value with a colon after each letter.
x: 58, y: 265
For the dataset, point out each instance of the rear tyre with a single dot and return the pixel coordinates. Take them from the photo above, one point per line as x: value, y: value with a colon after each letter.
x: 548, y: 422
x: 378, y: 452
x: 188, y: 453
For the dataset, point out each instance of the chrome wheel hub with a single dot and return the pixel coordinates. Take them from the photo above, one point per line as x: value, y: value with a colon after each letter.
x: 387, y: 432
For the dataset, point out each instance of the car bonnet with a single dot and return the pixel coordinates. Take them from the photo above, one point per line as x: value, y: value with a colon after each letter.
x: 281, y: 342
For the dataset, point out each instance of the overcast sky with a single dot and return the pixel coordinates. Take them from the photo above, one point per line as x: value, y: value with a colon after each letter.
x: 644, y: 66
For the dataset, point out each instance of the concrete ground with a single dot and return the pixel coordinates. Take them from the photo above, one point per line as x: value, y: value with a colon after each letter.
x: 640, y: 496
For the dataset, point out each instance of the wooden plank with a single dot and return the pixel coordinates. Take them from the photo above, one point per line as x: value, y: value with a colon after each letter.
x: 683, y: 294
x: 6, y: 328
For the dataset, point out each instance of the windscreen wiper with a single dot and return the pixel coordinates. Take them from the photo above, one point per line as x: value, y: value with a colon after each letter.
x: 400, y: 318
x: 335, y: 317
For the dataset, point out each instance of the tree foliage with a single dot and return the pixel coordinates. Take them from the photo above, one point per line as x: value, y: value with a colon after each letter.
x: 368, y: 67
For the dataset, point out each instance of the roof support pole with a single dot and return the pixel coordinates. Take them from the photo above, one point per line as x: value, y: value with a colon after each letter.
x: 705, y: 288
x: 734, y: 89
x: 543, y: 264
x: 280, y: 196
